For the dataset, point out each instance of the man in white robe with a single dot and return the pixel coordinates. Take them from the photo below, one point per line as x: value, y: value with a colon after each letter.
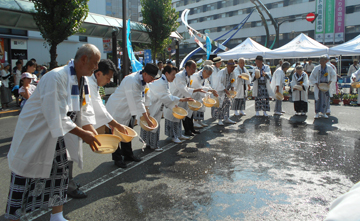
x: 216, y: 69
x: 300, y: 96
x: 353, y: 68
x: 241, y: 86
x: 128, y: 102
x: 277, y: 85
x: 355, y: 77
x: 323, y: 73
x: 58, y: 108
x: 200, y: 80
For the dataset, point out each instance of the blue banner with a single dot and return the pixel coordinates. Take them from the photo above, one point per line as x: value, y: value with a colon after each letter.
x: 208, y: 47
x: 147, y: 56
x: 135, y: 64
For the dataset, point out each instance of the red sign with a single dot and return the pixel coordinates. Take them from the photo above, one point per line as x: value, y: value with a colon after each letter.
x: 310, y: 17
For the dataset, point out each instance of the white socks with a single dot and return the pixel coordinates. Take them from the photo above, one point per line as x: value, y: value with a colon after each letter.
x: 57, y: 217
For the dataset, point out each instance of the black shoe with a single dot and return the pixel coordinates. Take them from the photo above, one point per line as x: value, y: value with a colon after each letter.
x: 189, y: 133
x: 132, y: 158
x: 195, y: 132
x: 120, y: 164
x: 77, y: 194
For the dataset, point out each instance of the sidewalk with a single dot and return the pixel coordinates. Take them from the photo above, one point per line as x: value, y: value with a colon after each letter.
x: 13, y: 110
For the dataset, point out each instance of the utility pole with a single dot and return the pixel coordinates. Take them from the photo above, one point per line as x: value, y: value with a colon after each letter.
x: 125, y: 67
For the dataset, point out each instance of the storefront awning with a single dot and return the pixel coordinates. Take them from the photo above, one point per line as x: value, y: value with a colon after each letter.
x: 17, y: 14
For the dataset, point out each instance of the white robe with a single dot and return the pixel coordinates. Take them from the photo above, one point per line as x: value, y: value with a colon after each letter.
x: 160, y: 94
x: 353, y: 69
x: 221, y: 84
x: 314, y: 79
x: 278, y: 80
x: 356, y: 75
x: 213, y: 76
x: 180, y: 87
x: 128, y: 99
x: 199, y: 82
x: 239, y: 82
x: 42, y: 122
x: 296, y: 93
x: 255, y: 85
x: 346, y: 206
x: 102, y: 116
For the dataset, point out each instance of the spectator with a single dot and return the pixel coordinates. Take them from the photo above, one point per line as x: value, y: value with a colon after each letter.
x: 308, y: 67
x: 27, y: 89
x: 22, y: 64
x: 5, y: 89
x: 17, y: 78
x: 33, y: 60
x: 354, y: 67
x: 160, y: 65
x: 40, y: 71
x: 30, y: 67
x: 169, y: 63
x: 304, y: 63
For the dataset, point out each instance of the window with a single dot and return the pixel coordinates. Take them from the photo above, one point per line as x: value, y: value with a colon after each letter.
x: 83, y: 38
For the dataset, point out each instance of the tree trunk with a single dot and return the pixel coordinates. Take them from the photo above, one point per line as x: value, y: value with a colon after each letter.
x: 53, y: 55
x: 154, y: 58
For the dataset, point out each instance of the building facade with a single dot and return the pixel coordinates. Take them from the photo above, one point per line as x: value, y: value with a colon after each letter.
x: 218, y: 17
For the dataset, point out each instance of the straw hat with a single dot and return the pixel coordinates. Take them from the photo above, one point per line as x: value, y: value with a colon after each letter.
x: 209, y: 102
x: 194, y: 105
x: 279, y: 96
x: 144, y: 125
x: 324, y: 87
x: 298, y: 87
x: 179, y: 113
x: 232, y: 94
x: 109, y: 143
x: 217, y: 60
x: 126, y: 138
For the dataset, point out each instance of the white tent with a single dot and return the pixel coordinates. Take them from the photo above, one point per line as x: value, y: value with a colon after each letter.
x: 301, y: 46
x: 247, y: 49
x: 351, y: 47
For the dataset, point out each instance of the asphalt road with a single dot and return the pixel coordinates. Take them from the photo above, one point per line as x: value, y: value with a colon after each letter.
x: 276, y: 168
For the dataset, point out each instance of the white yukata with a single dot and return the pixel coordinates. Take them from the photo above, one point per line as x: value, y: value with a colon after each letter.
x: 160, y: 97
x: 102, y: 116
x: 300, y: 98
x: 322, y: 99
x: 261, y: 89
x: 213, y: 77
x: 224, y: 81
x: 356, y: 75
x: 38, y: 152
x: 278, y: 80
x: 126, y: 103
x: 180, y: 87
x: 241, y: 87
x: 198, y: 81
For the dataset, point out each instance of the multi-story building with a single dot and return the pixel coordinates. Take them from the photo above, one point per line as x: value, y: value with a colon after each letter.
x: 218, y: 17
x: 114, y: 9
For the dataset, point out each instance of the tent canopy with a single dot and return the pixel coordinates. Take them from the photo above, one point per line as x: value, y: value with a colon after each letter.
x: 247, y: 49
x: 301, y: 46
x: 351, y: 47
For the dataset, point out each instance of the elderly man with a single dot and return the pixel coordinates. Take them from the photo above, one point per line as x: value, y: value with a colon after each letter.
x: 277, y: 85
x: 242, y: 85
x: 180, y: 87
x: 226, y: 80
x: 59, y: 107
x: 309, y: 67
x: 216, y: 69
x: 199, y: 80
x: 323, y: 73
x: 128, y: 102
x: 261, y: 87
x: 354, y: 67
x: 300, y: 97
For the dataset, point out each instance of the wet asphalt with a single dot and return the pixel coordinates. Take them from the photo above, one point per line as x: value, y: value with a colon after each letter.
x: 276, y: 168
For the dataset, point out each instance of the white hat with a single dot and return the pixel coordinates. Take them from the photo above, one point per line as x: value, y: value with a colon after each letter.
x: 208, y: 62
x: 27, y: 75
x: 217, y: 59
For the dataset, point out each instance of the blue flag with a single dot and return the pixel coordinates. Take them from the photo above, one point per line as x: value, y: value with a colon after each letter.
x: 135, y: 64
x: 208, y: 47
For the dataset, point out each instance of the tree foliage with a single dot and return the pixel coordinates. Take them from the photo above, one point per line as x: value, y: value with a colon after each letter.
x: 59, y: 19
x: 160, y: 20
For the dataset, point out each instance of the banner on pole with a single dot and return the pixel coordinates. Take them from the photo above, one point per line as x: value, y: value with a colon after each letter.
x: 339, y: 21
x: 135, y: 64
x: 319, y: 25
x: 329, y: 21
x: 147, y: 56
x: 107, y: 45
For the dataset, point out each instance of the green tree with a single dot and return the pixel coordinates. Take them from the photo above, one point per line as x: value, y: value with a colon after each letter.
x: 160, y: 20
x: 59, y: 19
